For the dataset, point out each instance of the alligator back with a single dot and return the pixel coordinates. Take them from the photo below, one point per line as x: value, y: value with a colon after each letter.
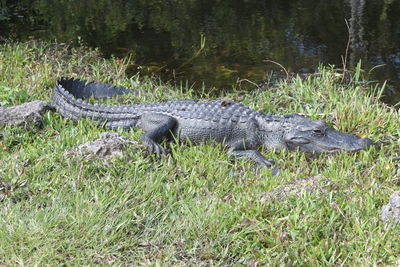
x: 68, y: 94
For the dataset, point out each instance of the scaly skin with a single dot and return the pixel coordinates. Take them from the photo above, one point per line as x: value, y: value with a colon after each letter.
x: 241, y: 128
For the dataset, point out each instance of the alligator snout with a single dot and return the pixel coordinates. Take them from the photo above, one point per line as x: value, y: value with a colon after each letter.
x: 346, y: 142
x: 362, y: 143
x: 328, y: 141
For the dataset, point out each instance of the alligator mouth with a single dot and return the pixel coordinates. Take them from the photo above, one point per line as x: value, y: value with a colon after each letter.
x: 322, y: 148
x: 353, y: 147
x: 327, y: 148
x: 318, y: 148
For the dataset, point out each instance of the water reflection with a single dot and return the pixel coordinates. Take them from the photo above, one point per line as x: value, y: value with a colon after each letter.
x: 356, y: 31
x: 165, y: 36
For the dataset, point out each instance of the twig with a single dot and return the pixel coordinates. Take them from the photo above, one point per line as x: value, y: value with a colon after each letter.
x: 197, y: 53
x: 253, y: 83
x: 344, y: 60
x: 280, y: 65
x: 330, y: 114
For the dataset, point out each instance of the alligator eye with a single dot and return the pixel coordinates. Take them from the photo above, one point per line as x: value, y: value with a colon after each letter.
x: 318, y: 132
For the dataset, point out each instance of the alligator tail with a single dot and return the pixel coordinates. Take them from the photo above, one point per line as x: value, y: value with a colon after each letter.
x: 67, y: 100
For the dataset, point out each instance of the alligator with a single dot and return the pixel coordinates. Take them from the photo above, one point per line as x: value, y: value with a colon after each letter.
x: 240, y: 128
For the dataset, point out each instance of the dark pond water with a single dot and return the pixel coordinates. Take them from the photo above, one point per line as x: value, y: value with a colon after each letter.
x: 218, y: 43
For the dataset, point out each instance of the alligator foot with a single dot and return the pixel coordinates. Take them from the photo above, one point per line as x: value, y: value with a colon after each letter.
x: 156, y: 126
x: 154, y: 147
x: 253, y: 155
x: 239, y: 150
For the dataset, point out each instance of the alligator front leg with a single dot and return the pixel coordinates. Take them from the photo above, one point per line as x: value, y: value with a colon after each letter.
x: 156, y: 126
x: 239, y: 150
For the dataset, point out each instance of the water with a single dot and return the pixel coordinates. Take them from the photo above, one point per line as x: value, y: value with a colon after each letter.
x: 222, y: 44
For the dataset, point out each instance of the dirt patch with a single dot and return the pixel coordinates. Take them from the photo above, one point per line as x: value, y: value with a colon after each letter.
x: 312, y: 184
x: 29, y: 113
x: 391, y: 211
x: 107, y: 146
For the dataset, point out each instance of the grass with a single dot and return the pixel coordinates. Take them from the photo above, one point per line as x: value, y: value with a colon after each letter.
x: 196, y: 206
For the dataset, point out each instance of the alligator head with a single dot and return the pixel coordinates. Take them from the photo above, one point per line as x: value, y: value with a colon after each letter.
x: 315, y: 136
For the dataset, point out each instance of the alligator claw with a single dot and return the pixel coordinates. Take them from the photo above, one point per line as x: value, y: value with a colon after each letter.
x: 160, y: 151
x: 267, y: 162
x: 275, y: 171
x: 157, y: 149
